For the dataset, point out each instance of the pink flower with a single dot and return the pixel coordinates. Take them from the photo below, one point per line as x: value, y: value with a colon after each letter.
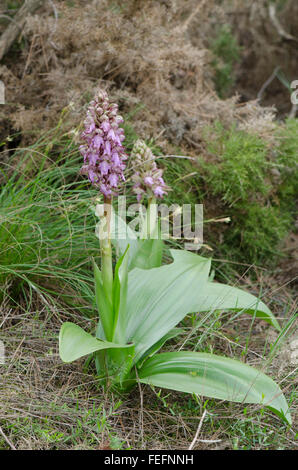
x: 105, y: 126
x: 97, y: 141
x: 93, y: 157
x: 104, y: 167
x: 102, y: 149
x: 147, y: 177
x: 158, y: 191
x: 148, y: 180
x: 113, y: 180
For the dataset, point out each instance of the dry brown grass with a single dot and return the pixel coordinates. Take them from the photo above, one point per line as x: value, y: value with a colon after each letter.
x: 152, y: 55
x: 46, y: 404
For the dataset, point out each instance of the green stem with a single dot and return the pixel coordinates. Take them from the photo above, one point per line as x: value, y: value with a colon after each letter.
x: 106, y: 252
x: 151, y: 217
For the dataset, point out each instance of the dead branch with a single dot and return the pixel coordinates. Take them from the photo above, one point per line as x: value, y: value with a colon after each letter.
x: 7, y: 440
x: 17, y: 24
x: 277, y: 25
x: 268, y: 81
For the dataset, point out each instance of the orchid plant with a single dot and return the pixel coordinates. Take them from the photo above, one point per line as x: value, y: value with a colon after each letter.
x: 141, y: 302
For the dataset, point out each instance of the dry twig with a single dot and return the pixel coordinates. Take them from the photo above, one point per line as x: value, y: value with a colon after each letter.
x: 277, y: 25
x: 16, y: 25
x: 198, y: 431
x: 7, y: 440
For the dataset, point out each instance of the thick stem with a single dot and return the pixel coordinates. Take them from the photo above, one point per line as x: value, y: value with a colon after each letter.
x: 151, y: 216
x: 106, y: 251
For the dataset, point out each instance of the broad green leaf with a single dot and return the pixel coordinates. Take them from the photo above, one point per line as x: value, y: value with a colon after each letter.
x: 120, y: 297
x: 159, y: 298
x: 143, y: 253
x: 216, y: 377
x: 105, y: 308
x: 74, y: 343
x: 214, y: 296
x: 122, y: 236
x: 149, y: 254
x: 157, y: 346
x: 100, y: 334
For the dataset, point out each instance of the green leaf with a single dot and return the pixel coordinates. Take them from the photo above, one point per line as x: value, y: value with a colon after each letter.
x: 214, y: 296
x: 74, y: 343
x: 148, y: 255
x: 122, y: 236
x: 120, y: 297
x: 105, y: 308
x: 157, y: 346
x: 159, y: 298
x: 119, y: 362
x: 143, y: 253
x: 216, y: 377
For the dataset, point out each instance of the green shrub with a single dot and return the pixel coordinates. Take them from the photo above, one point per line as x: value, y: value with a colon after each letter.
x: 287, y: 164
x: 226, y: 52
x: 256, y: 186
x: 237, y: 166
x: 256, y: 232
x: 243, y: 178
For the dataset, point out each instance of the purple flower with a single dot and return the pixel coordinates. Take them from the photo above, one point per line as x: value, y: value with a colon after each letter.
x: 158, y: 191
x: 104, y: 167
x: 102, y: 149
x: 147, y: 177
x: 105, y: 126
x: 105, y: 190
x: 113, y: 180
x: 115, y: 159
x: 97, y: 142
x: 83, y: 149
x: 111, y: 135
x: 92, y: 175
x: 107, y: 148
x: 93, y: 157
x: 89, y: 129
x: 148, y: 180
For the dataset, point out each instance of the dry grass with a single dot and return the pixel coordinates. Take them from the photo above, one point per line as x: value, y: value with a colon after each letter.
x: 153, y: 56
x: 46, y: 404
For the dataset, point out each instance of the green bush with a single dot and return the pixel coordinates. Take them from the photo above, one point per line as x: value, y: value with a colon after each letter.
x: 237, y: 166
x: 287, y: 164
x: 256, y: 232
x: 256, y: 186
x: 226, y: 52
